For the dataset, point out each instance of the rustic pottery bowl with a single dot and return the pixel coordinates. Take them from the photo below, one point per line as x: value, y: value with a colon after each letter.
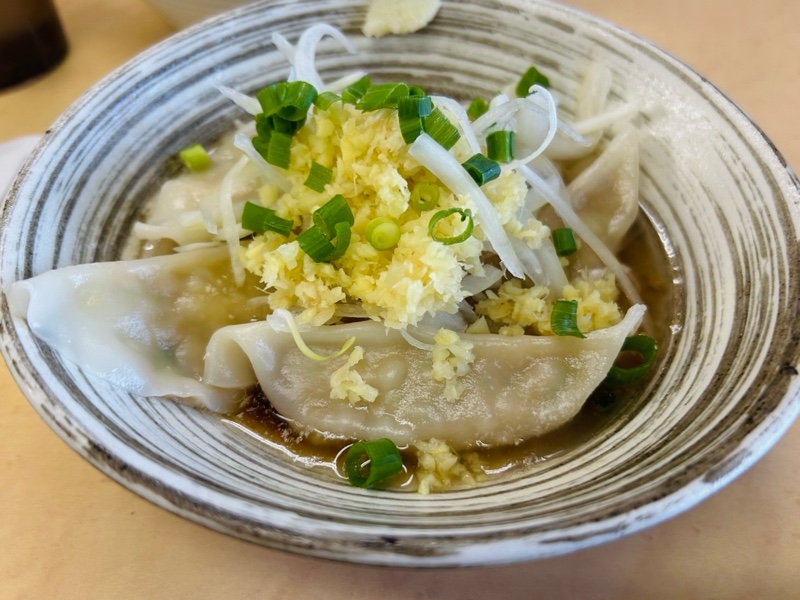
x: 722, y: 199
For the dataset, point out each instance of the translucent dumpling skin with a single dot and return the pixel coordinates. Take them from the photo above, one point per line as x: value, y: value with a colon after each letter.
x: 517, y: 388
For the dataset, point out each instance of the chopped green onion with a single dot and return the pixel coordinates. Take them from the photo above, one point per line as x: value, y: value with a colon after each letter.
x: 261, y: 146
x: 410, y: 111
x: 564, y: 241
x: 440, y: 129
x: 383, y: 95
x: 465, y: 213
x: 332, y: 212
x: 424, y: 196
x: 324, y: 100
x: 316, y: 244
x: 411, y: 128
x: 481, y: 169
x: 259, y: 219
x: 342, y: 237
x: 289, y: 100
x: 195, y: 158
x: 531, y: 77
x: 383, y: 233
x: 414, y: 106
x: 369, y: 463
x: 271, y: 97
x: 477, y: 107
x: 415, y: 90
x: 279, y: 149
x: 564, y: 318
x: 298, y: 98
x: 500, y: 145
x: 318, y: 177
x: 354, y: 92
x: 644, y: 346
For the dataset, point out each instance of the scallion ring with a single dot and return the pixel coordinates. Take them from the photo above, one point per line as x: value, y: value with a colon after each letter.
x: 481, y: 169
x: 564, y: 241
x: 500, y: 145
x: 259, y: 219
x: 425, y: 196
x: 195, y: 158
x: 369, y: 463
x: 316, y: 244
x: 466, y: 215
x: 383, y: 233
x: 318, y: 177
x: 643, y: 345
x: 477, y: 107
x: 332, y: 212
x: 530, y: 78
x: 564, y: 318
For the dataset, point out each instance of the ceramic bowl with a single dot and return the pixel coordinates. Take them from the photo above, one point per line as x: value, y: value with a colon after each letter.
x: 719, y: 194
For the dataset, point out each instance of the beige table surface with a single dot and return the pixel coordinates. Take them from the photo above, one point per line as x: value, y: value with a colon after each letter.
x: 66, y: 531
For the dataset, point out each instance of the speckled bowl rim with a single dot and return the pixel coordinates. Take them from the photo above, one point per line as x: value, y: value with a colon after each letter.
x: 201, y: 508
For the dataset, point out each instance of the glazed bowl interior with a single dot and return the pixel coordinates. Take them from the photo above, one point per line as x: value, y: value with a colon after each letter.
x: 714, y: 188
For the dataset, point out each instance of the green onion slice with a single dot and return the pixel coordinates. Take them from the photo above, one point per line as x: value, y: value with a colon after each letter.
x: 477, y: 107
x: 481, y: 169
x: 410, y: 128
x: 383, y: 233
x: 279, y: 149
x: 425, y: 196
x: 261, y: 145
x: 564, y: 241
x: 298, y: 98
x: 409, y: 107
x: 354, y: 92
x: 195, y: 158
x: 382, y: 95
x: 500, y: 146
x: 466, y: 215
x: 440, y: 129
x: 564, y: 318
x: 259, y: 219
x: 415, y: 90
x: 324, y: 100
x: 318, y: 177
x: 644, y: 346
x: 316, y: 244
x: 369, y: 463
x: 531, y: 77
x: 410, y: 111
x: 271, y: 97
x: 342, y: 237
x: 332, y: 212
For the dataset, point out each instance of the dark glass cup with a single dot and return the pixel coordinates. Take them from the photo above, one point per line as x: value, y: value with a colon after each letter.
x: 32, y: 40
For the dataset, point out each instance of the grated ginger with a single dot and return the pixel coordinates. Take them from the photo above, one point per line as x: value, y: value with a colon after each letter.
x: 371, y: 167
x: 348, y: 384
x: 439, y: 468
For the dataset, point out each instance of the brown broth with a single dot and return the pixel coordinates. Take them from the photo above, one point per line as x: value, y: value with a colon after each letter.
x: 644, y: 252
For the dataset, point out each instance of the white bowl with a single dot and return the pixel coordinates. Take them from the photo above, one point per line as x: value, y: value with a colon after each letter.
x: 720, y: 195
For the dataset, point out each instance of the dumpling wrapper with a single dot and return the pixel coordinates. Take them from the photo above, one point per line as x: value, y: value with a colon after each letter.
x: 518, y: 387
x: 142, y: 325
x: 606, y: 194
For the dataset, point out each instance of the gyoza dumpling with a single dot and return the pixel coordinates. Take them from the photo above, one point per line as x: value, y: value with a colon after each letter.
x: 142, y: 324
x: 517, y: 387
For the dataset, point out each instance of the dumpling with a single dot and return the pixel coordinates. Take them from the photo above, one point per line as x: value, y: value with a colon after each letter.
x: 606, y: 194
x: 517, y: 388
x: 142, y: 324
